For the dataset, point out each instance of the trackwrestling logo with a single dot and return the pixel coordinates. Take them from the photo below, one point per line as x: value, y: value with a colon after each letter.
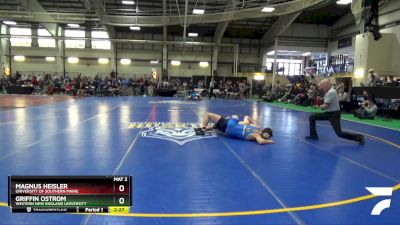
x: 180, y: 133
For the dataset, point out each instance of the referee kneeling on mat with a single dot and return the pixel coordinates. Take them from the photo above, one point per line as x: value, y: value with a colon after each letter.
x: 332, y: 113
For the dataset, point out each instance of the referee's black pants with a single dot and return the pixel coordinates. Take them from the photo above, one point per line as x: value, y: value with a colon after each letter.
x: 212, y: 94
x: 334, y: 118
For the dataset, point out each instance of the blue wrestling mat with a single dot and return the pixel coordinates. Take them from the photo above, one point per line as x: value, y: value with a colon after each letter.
x: 180, y: 178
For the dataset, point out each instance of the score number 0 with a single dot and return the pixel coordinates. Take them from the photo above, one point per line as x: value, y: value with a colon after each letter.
x: 121, y: 188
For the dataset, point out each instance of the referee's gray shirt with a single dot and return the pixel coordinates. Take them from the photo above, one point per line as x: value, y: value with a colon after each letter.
x: 331, y: 98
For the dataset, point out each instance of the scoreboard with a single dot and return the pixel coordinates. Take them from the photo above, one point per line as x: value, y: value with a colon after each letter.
x: 72, y: 194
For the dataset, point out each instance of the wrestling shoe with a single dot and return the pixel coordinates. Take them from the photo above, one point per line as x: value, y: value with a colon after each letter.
x: 199, y: 131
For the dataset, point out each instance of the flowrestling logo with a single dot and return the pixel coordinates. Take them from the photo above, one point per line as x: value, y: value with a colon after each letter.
x: 384, y: 204
x: 180, y: 133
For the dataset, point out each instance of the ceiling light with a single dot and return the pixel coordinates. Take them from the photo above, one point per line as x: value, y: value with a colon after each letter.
x: 19, y: 58
x: 193, y: 34
x: 307, y: 54
x: 268, y: 9
x: 271, y: 53
x: 134, y: 28
x: 287, y: 51
x: 125, y: 61
x: 154, y: 61
x: 73, y: 60
x: 9, y: 22
x: 50, y: 59
x: 73, y: 25
x: 203, y: 64
x: 128, y: 2
x: 175, y: 62
x: 103, y: 61
x: 343, y: 2
x: 198, y: 11
x: 359, y: 73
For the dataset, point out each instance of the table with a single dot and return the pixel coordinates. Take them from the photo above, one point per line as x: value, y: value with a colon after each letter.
x: 19, y: 90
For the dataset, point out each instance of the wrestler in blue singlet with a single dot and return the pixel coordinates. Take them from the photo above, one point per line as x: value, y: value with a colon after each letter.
x: 239, y: 131
x: 194, y: 96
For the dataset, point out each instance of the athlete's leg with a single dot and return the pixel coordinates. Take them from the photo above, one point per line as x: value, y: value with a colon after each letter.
x: 210, y: 117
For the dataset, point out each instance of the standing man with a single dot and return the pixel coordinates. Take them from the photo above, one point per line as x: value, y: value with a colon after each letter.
x: 212, y: 86
x: 373, y: 76
x: 332, y: 113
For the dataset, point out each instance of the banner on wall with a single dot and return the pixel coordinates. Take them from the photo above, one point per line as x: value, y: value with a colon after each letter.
x: 357, y: 10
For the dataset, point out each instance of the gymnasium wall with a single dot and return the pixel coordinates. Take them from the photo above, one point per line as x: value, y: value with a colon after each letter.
x: 88, y: 61
x: 395, y: 65
x: 333, y: 49
x: 306, y: 30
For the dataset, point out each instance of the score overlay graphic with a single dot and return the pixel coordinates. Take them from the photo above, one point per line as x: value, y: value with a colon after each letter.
x: 72, y: 194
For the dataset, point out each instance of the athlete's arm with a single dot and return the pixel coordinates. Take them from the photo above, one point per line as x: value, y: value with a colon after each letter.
x: 324, y: 106
x: 260, y: 140
x: 248, y: 120
x: 263, y: 141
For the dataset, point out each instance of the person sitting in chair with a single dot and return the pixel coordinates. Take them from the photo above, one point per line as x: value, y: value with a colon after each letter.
x: 367, y: 111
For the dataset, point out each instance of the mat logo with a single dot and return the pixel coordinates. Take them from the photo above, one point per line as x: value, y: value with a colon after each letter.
x: 141, y: 125
x: 178, y: 135
x: 173, y: 102
x: 384, y: 204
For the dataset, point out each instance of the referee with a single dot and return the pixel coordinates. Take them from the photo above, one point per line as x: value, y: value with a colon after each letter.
x: 332, y: 113
x: 212, y: 86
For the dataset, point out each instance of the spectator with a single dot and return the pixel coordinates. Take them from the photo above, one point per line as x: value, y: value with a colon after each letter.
x: 367, y: 111
x: 340, y: 87
x: 17, y: 76
x: 367, y: 96
x: 390, y: 81
x: 185, y: 85
x: 373, y: 78
x: 242, y: 87
x: 113, y: 74
x: 151, y: 89
x: 312, y: 94
x: 200, y: 84
x: 34, y: 81
x: 344, y: 101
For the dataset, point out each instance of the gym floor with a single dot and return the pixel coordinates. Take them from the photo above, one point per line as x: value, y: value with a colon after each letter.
x: 180, y: 178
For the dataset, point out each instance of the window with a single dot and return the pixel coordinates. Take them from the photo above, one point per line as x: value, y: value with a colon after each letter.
x: 21, y: 41
x: 292, y: 69
x: 45, y: 40
x: 297, y: 70
x: 100, y: 44
x: 288, y: 67
x: 69, y: 43
x: 269, y: 66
